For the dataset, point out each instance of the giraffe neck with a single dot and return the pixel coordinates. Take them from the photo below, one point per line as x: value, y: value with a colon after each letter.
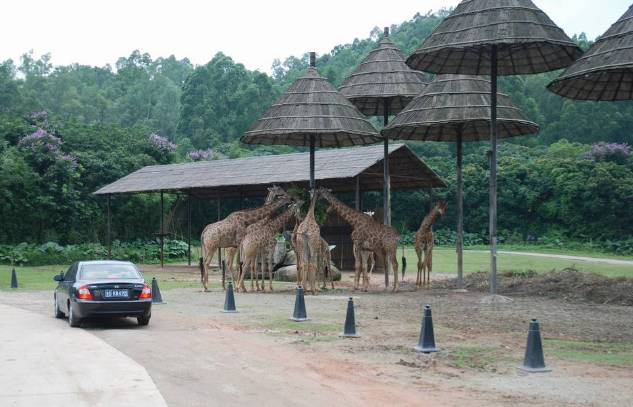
x: 429, y: 220
x: 349, y: 215
x: 265, y: 211
x: 276, y: 224
x: 310, y: 213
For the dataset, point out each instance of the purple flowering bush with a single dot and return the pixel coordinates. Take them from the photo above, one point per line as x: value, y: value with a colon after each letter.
x: 609, y: 152
x: 46, y: 147
x: 201, y: 155
x: 161, y: 144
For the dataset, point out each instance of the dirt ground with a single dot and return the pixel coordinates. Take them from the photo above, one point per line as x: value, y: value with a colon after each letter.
x: 199, y: 356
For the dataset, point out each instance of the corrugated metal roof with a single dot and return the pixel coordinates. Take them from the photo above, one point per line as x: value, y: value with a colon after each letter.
x: 250, y: 176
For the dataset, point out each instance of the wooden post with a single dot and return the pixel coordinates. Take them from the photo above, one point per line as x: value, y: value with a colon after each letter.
x: 162, y: 230
x: 219, y: 248
x: 460, y: 213
x: 189, y: 228
x: 493, y: 171
x: 387, y: 177
x: 109, y: 232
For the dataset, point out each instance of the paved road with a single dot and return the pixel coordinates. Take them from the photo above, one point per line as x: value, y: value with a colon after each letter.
x: 46, y: 363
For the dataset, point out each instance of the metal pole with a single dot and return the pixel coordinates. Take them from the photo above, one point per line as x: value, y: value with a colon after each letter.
x: 312, y: 146
x: 387, y: 178
x: 357, y: 202
x: 219, y: 248
x: 493, y: 172
x: 460, y: 213
x: 162, y: 230
x: 189, y: 228
x: 109, y: 230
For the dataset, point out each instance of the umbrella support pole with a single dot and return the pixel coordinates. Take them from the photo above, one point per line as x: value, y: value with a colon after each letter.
x: 162, y: 230
x: 189, y: 229
x: 109, y: 229
x: 387, y: 185
x: 312, y: 153
x: 460, y: 213
x: 493, y: 172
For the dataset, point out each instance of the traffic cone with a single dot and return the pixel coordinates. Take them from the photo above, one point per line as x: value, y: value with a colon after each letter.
x: 229, y: 300
x: 426, y: 344
x: 300, y: 314
x: 157, y: 298
x: 14, y: 279
x: 534, y: 362
x: 350, y: 322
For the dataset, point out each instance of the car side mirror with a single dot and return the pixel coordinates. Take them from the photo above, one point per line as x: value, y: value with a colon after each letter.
x: 59, y: 277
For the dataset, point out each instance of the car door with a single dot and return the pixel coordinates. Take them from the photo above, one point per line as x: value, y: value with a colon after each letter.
x: 66, y: 286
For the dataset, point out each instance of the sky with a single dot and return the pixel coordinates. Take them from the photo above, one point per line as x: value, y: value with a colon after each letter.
x: 252, y: 32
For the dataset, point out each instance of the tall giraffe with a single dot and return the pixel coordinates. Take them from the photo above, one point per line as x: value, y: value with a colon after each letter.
x: 367, y: 236
x: 229, y: 231
x: 308, y: 244
x: 424, y: 242
x: 258, y: 240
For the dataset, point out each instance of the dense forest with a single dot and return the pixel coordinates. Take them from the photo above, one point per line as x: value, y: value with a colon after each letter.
x: 65, y: 131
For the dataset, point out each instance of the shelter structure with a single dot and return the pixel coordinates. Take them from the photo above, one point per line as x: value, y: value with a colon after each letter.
x: 456, y: 108
x: 382, y: 85
x: 312, y: 113
x: 605, y: 72
x: 354, y: 170
x: 502, y: 37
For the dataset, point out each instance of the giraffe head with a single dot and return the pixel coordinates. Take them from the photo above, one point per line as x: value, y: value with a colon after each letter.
x: 295, y: 209
x: 440, y: 207
x: 275, y: 193
x: 324, y: 192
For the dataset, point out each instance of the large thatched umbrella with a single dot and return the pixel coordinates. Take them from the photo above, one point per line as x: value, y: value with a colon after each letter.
x: 383, y: 85
x: 312, y: 113
x: 605, y: 72
x: 456, y: 108
x: 502, y: 37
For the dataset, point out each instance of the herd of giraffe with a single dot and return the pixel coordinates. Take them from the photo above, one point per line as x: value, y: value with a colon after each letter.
x: 251, y: 235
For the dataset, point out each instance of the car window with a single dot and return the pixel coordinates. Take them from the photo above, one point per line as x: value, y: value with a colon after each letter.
x: 71, y: 272
x: 108, y: 272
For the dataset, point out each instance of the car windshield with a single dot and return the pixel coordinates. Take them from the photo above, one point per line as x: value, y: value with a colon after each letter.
x: 108, y: 272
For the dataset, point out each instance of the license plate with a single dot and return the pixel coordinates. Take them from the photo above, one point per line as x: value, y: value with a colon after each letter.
x: 115, y: 293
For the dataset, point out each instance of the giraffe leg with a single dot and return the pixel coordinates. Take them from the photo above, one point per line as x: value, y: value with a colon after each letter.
x: 393, y: 261
x: 364, y: 266
x: 418, y: 279
x: 357, y: 265
x: 206, y: 264
x: 429, y: 266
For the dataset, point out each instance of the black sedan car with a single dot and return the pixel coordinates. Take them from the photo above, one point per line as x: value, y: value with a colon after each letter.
x: 102, y: 289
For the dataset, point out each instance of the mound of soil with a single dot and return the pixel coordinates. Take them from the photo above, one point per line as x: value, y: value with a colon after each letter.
x: 568, y: 284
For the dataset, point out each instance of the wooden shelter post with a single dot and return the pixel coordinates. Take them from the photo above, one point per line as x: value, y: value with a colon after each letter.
x: 493, y: 171
x: 387, y: 178
x: 219, y: 248
x: 312, y: 153
x: 162, y: 230
x: 189, y: 228
x: 357, y: 195
x: 460, y: 212
x: 109, y: 231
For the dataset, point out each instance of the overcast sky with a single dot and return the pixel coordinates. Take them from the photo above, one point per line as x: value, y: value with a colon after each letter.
x: 253, y: 32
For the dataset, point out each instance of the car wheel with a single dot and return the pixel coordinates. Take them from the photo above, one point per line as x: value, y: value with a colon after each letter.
x: 144, y: 320
x: 72, y: 318
x: 58, y: 313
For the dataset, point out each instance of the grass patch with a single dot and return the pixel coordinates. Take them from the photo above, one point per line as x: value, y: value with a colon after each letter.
x: 616, y: 354
x: 445, y: 261
x: 472, y: 357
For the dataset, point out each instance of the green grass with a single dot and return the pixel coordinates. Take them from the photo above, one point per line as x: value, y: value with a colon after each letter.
x: 445, y: 261
x: 536, y: 248
x: 473, y: 357
x: 616, y: 354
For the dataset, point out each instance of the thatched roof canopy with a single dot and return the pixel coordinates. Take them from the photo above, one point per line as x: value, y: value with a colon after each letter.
x: 383, y: 75
x: 605, y: 72
x: 527, y: 41
x: 249, y: 177
x: 312, y: 107
x: 454, y: 104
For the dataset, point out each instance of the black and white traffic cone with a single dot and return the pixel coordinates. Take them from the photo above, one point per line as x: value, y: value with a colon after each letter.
x: 14, y: 279
x: 534, y: 362
x: 157, y: 298
x: 349, y: 331
x: 300, y: 314
x: 229, y: 300
x: 426, y: 344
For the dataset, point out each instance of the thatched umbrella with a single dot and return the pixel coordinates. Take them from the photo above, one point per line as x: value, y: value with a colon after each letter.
x: 456, y: 108
x: 312, y: 113
x: 502, y: 37
x: 605, y: 72
x: 383, y: 85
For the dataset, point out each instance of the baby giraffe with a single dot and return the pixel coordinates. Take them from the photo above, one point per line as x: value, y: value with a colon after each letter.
x: 424, y: 242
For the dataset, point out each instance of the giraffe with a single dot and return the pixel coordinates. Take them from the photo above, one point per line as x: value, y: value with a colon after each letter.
x: 308, y: 244
x: 325, y: 257
x: 258, y: 240
x: 367, y: 236
x: 229, y: 231
x: 424, y: 243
